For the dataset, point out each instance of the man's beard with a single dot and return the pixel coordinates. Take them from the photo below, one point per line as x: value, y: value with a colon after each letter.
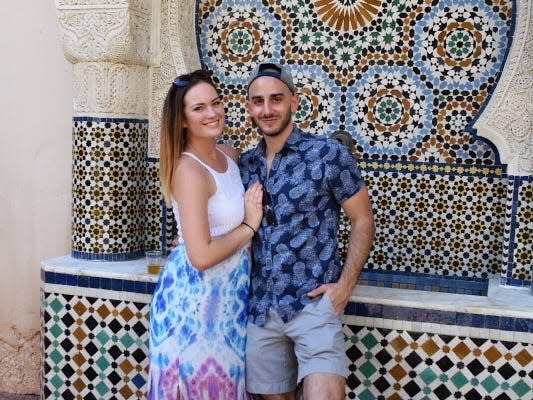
x: 272, y: 133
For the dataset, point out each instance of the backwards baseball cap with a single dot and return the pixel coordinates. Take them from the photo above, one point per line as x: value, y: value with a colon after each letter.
x: 275, y: 70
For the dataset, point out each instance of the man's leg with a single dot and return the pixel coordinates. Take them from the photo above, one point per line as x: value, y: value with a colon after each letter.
x: 271, y: 368
x: 320, y: 386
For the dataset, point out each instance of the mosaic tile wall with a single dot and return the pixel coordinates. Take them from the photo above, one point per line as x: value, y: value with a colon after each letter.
x: 95, y: 346
x: 160, y: 224
x: 108, y: 169
x: 406, y: 79
x: 398, y: 364
x: 518, y: 253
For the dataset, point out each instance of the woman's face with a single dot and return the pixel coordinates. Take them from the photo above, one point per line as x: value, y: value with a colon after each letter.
x: 203, y: 111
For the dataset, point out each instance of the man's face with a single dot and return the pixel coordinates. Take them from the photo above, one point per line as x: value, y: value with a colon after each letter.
x: 271, y: 104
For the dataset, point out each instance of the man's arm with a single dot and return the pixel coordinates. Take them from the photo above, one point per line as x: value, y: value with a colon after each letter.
x: 359, y: 211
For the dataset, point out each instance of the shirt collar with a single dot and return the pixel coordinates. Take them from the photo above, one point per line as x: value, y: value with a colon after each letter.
x: 291, y: 143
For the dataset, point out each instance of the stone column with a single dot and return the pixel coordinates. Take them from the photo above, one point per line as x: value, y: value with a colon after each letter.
x: 108, y: 44
x: 507, y: 121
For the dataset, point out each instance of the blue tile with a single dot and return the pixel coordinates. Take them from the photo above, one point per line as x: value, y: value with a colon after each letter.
x: 521, y: 325
x: 492, y: 322
x: 361, y: 309
x: 117, y: 284
x: 83, y: 281
x: 419, y: 315
x: 94, y: 282
x: 447, y: 318
x: 50, y: 277
x: 390, y: 312
x: 72, y: 280
x: 129, y: 286
x: 403, y: 313
x: 507, y: 323
x: 61, y: 279
x: 105, y: 283
x: 150, y: 287
x: 140, y: 287
x: 463, y: 319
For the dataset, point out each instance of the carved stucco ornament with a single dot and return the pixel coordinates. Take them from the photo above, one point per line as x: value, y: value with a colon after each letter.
x: 108, y: 43
x: 174, y: 52
x: 507, y: 121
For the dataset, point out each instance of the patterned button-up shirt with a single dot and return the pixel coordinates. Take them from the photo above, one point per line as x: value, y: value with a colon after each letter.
x: 309, y: 178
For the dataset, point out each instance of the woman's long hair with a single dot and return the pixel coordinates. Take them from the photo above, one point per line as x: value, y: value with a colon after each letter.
x: 174, y: 136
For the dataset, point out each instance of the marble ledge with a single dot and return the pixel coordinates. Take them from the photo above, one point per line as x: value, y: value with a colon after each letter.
x: 500, y: 301
x: 134, y: 270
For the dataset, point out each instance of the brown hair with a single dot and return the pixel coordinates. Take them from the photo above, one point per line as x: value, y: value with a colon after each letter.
x: 173, y: 137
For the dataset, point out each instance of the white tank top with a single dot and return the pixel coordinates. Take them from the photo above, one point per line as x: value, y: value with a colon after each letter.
x: 225, y: 208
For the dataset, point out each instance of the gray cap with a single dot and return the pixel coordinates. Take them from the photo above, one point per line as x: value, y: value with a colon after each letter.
x: 275, y: 70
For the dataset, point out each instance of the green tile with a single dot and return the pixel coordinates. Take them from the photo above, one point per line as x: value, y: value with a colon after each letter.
x: 428, y: 376
x: 369, y: 341
x: 367, y: 369
x: 102, y: 389
x: 102, y: 337
x: 366, y: 395
x: 56, y: 330
x: 102, y: 363
x: 521, y: 388
x: 56, y: 305
x: 56, y: 356
x: 489, y: 384
x: 127, y: 341
x: 459, y: 380
x: 56, y: 381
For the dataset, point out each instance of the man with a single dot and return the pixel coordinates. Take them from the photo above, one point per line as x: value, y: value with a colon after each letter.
x: 298, y: 287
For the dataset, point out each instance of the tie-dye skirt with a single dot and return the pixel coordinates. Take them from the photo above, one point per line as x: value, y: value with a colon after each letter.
x: 198, y: 330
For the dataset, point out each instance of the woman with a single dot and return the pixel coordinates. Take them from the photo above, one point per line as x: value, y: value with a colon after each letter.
x: 198, y: 313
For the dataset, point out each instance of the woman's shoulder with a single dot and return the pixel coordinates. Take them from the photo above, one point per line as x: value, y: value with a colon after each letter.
x: 188, y: 167
x: 229, y: 151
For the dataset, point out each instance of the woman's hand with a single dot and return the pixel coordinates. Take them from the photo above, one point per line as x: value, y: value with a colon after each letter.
x: 253, y: 205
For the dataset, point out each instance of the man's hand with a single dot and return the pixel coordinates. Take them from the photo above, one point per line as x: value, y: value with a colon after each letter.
x: 338, y: 295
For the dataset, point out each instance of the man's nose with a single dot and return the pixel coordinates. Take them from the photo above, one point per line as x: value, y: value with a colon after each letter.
x: 267, y: 108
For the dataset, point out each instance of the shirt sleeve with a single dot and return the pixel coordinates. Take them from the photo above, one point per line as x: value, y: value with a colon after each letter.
x: 342, y: 172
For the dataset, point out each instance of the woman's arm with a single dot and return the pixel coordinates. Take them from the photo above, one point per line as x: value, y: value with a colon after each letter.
x: 191, y: 187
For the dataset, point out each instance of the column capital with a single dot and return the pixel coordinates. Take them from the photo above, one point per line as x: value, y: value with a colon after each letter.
x: 114, y: 31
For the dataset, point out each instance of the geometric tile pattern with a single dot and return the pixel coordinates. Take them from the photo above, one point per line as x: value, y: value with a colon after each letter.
x: 518, y: 251
x: 405, y: 78
x: 523, y: 233
x: 435, y: 223
x: 160, y: 223
x: 153, y: 205
x: 397, y: 364
x: 109, y: 164
x: 93, y: 348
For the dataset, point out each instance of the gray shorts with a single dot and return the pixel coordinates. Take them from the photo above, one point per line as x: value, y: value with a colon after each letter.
x: 279, y: 355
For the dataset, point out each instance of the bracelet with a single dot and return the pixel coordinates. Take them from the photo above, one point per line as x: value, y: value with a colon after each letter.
x: 253, y: 230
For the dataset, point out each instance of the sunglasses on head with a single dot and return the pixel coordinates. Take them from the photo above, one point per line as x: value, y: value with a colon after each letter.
x: 268, y: 211
x: 184, y: 80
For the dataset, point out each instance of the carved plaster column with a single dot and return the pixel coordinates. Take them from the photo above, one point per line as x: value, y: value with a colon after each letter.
x: 108, y: 44
x: 508, y: 122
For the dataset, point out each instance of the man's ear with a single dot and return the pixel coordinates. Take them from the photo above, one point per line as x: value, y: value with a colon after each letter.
x: 295, y: 102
